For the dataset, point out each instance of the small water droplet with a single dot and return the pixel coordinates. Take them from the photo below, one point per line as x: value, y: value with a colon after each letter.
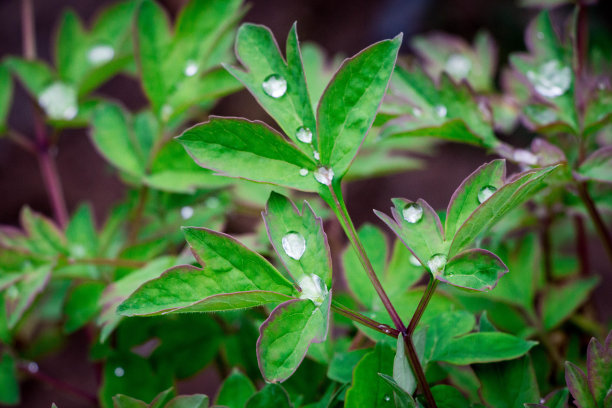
x: 316, y: 155
x: 119, y: 372
x: 294, y: 245
x: 414, y: 260
x: 100, y: 54
x: 485, y: 193
x: 274, y: 86
x: 324, y: 175
x: 385, y: 328
x: 436, y: 263
x: 166, y: 111
x: 387, y: 398
x: 313, y: 288
x: 33, y: 367
x: 213, y: 202
x: 601, y: 86
x: 59, y: 100
x: 191, y: 68
x: 186, y: 212
x: 524, y: 156
x: 78, y: 250
x: 304, y: 134
x: 540, y: 35
x: 458, y: 65
x: 303, y: 172
x: 412, y: 213
x: 441, y: 111
x: 417, y: 112
x: 551, y: 79
x: 542, y: 400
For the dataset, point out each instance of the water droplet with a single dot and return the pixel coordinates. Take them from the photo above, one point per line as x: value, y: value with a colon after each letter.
x: 78, y: 250
x: 191, y: 68
x: 316, y: 155
x: 441, y: 111
x: 540, y: 35
x: 385, y: 328
x: 213, y: 202
x: 324, y: 175
x: 412, y: 213
x: 417, y: 112
x: 166, y: 111
x: 436, y: 263
x: 601, y: 86
x: 458, y: 65
x: 119, y: 372
x: 304, y: 134
x: 33, y: 367
x: 274, y: 86
x: 313, y: 288
x: 303, y: 172
x: 485, y: 193
x: 552, y: 79
x: 186, y: 212
x: 414, y: 260
x: 294, y: 245
x: 542, y: 400
x: 387, y: 398
x: 59, y: 100
x: 524, y: 156
x: 100, y: 54
x: 12, y: 292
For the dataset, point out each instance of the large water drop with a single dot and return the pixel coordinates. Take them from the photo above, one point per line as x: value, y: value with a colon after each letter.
x: 458, y: 65
x: 324, y: 175
x: 437, y: 263
x: 485, y: 193
x: 274, y: 86
x: 191, y: 68
x: 59, y: 100
x: 294, y: 245
x: 441, y: 111
x: 313, y: 288
x: 100, y: 54
x: 412, y: 213
x: 186, y: 212
x: 551, y: 79
x: 304, y: 134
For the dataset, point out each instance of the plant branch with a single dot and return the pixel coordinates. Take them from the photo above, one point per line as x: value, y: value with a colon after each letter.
x: 21, y: 141
x: 136, y: 220
x: 364, y: 320
x: 600, y: 226
x: 418, y: 313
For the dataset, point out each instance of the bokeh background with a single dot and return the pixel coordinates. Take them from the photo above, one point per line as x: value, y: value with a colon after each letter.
x: 339, y: 26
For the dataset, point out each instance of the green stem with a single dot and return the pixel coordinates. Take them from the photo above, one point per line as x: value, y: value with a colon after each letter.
x: 349, y: 229
x: 137, y: 215
x: 364, y: 320
x: 418, y: 313
x: 600, y: 226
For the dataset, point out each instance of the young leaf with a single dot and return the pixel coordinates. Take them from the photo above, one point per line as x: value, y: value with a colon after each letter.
x: 70, y: 49
x: 298, y: 239
x: 402, y: 372
x: 82, y: 305
x: 598, y: 166
x: 559, y: 303
x: 249, y: 150
x: 350, y: 102
x: 188, y: 401
x: 9, y: 387
x: 81, y: 233
x: 341, y: 366
x: 447, y: 396
x: 20, y: 297
x: 516, y: 375
x: 44, y: 237
x: 368, y: 388
x: 484, y: 347
x: 272, y: 395
x: 578, y: 386
x: 233, y: 277
x: 235, y: 391
x: 402, y: 398
x: 444, y: 327
x: 419, y: 228
x: 475, y: 269
x: 286, y: 335
x: 599, y: 369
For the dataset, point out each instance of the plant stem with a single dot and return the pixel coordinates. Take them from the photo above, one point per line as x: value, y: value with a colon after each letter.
x: 600, y: 226
x: 546, y: 247
x: 364, y: 320
x: 582, y: 248
x: 137, y: 215
x: 125, y: 263
x: 418, y: 313
x: 53, y: 185
x: 60, y: 385
x: 349, y: 228
x: 21, y: 141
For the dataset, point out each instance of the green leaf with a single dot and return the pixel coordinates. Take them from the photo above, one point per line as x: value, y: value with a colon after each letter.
x: 21, y: 296
x: 368, y: 388
x: 375, y: 245
x: 249, y: 150
x: 286, y: 335
x: 444, y: 327
x: 599, y: 368
x: 418, y: 226
x: 235, y: 391
x: 112, y: 136
x: 289, y: 229
x: 504, y: 199
x: 341, y: 366
x: 516, y: 375
x: 559, y: 303
x: 447, y: 111
x: 317, y: 71
x: 188, y: 401
x: 402, y: 398
x: 34, y: 75
x: 81, y: 233
x: 598, y: 166
x: 402, y: 372
x: 9, y: 387
x: 272, y: 395
x: 82, y: 305
x: 257, y: 50
x: 401, y: 273
x: 6, y: 96
x: 447, y: 396
x: 233, y: 277
x: 465, y: 198
x: 44, y: 237
x: 475, y: 269
x: 350, y: 102
x: 123, y: 401
x: 483, y: 348
x: 70, y: 48
x: 578, y: 386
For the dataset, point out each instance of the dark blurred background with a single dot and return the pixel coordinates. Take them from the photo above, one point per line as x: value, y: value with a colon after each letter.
x: 345, y: 27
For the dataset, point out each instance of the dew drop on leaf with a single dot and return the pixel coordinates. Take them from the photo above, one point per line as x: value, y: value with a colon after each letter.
x: 213, y: 202
x: 416, y: 112
x: 33, y: 367
x: 100, y: 54
x: 324, y: 175
x: 313, y: 288
x: 551, y: 79
x: 186, y: 212
x: 191, y: 68
x: 441, y: 111
x: 387, y: 398
x: 119, y: 372
x: 524, y: 156
x: 436, y: 263
x: 412, y: 213
x: 59, y: 100
x: 294, y: 245
x: 316, y: 155
x: 274, y: 86
x: 303, y: 172
x: 166, y: 111
x: 304, y: 134
x: 485, y: 193
x: 385, y: 328
x: 458, y: 65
